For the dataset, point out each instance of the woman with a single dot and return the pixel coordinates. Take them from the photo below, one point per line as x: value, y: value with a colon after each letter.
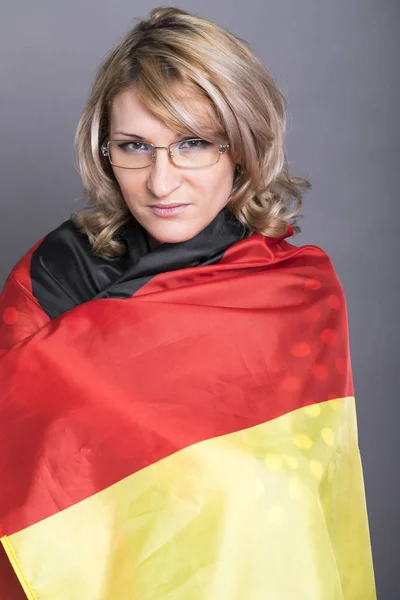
x: 177, y: 409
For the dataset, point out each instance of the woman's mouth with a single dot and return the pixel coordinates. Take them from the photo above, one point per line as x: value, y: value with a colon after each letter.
x: 168, y: 210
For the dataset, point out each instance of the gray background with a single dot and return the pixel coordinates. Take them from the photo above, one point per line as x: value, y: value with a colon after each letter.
x: 336, y: 62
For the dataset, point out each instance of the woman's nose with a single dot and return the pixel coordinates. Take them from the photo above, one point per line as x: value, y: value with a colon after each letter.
x: 164, y: 178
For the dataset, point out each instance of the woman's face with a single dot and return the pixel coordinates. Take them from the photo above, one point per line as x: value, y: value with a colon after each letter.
x: 204, y: 192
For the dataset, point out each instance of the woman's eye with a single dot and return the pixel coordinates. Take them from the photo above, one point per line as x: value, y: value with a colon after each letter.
x: 134, y: 147
x: 194, y: 145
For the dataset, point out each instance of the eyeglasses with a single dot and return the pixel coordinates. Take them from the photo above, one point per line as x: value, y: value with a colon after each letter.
x: 187, y: 154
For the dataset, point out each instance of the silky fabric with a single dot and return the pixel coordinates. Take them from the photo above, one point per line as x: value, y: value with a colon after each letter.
x: 196, y: 439
x: 65, y: 273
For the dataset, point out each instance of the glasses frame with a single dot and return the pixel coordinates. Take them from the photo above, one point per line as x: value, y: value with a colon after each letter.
x: 105, y: 150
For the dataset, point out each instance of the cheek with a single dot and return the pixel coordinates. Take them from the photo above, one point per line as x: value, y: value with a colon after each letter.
x: 220, y: 181
x: 131, y: 183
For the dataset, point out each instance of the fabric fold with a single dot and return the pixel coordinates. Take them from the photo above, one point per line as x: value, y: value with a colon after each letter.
x: 196, y: 439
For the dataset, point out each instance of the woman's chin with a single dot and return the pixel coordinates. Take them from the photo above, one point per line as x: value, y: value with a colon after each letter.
x: 171, y: 233
x: 158, y: 238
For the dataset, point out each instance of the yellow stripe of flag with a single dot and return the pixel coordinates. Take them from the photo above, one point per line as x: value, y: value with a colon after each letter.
x: 276, y: 511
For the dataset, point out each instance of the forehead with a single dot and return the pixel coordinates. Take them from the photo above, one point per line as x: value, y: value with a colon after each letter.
x: 126, y: 107
x: 183, y: 111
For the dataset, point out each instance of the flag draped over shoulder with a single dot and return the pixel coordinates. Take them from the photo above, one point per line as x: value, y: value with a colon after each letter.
x: 196, y: 440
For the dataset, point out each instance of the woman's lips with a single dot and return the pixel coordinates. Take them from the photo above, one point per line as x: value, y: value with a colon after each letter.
x: 168, y: 210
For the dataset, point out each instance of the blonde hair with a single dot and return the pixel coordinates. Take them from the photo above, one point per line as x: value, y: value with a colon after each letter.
x: 168, y: 58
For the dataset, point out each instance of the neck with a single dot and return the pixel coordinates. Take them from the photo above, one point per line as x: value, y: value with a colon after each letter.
x: 153, y: 243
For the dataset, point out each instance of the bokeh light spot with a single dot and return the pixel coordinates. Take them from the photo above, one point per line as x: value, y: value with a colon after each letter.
x: 316, y: 468
x: 10, y: 315
x: 334, y: 302
x: 312, y: 284
x: 313, y: 410
x: 300, y: 349
x: 329, y: 336
x: 302, y: 441
x: 328, y: 436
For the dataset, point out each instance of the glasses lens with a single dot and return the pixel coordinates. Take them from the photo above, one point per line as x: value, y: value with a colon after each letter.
x: 194, y: 153
x: 130, y: 155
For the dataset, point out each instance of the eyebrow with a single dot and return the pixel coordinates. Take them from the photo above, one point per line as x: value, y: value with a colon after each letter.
x: 139, y: 137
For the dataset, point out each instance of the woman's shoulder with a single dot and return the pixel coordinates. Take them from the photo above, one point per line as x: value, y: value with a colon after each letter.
x: 305, y: 271
x: 61, y: 250
x: 54, y: 247
x: 313, y: 266
x: 60, y: 270
x: 283, y: 255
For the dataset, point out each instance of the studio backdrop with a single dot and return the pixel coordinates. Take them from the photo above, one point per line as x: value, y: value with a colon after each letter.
x: 336, y: 64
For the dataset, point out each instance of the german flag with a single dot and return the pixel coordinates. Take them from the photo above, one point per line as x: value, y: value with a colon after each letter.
x: 194, y: 441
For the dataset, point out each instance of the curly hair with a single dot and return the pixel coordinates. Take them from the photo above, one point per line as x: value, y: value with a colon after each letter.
x: 167, y: 58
